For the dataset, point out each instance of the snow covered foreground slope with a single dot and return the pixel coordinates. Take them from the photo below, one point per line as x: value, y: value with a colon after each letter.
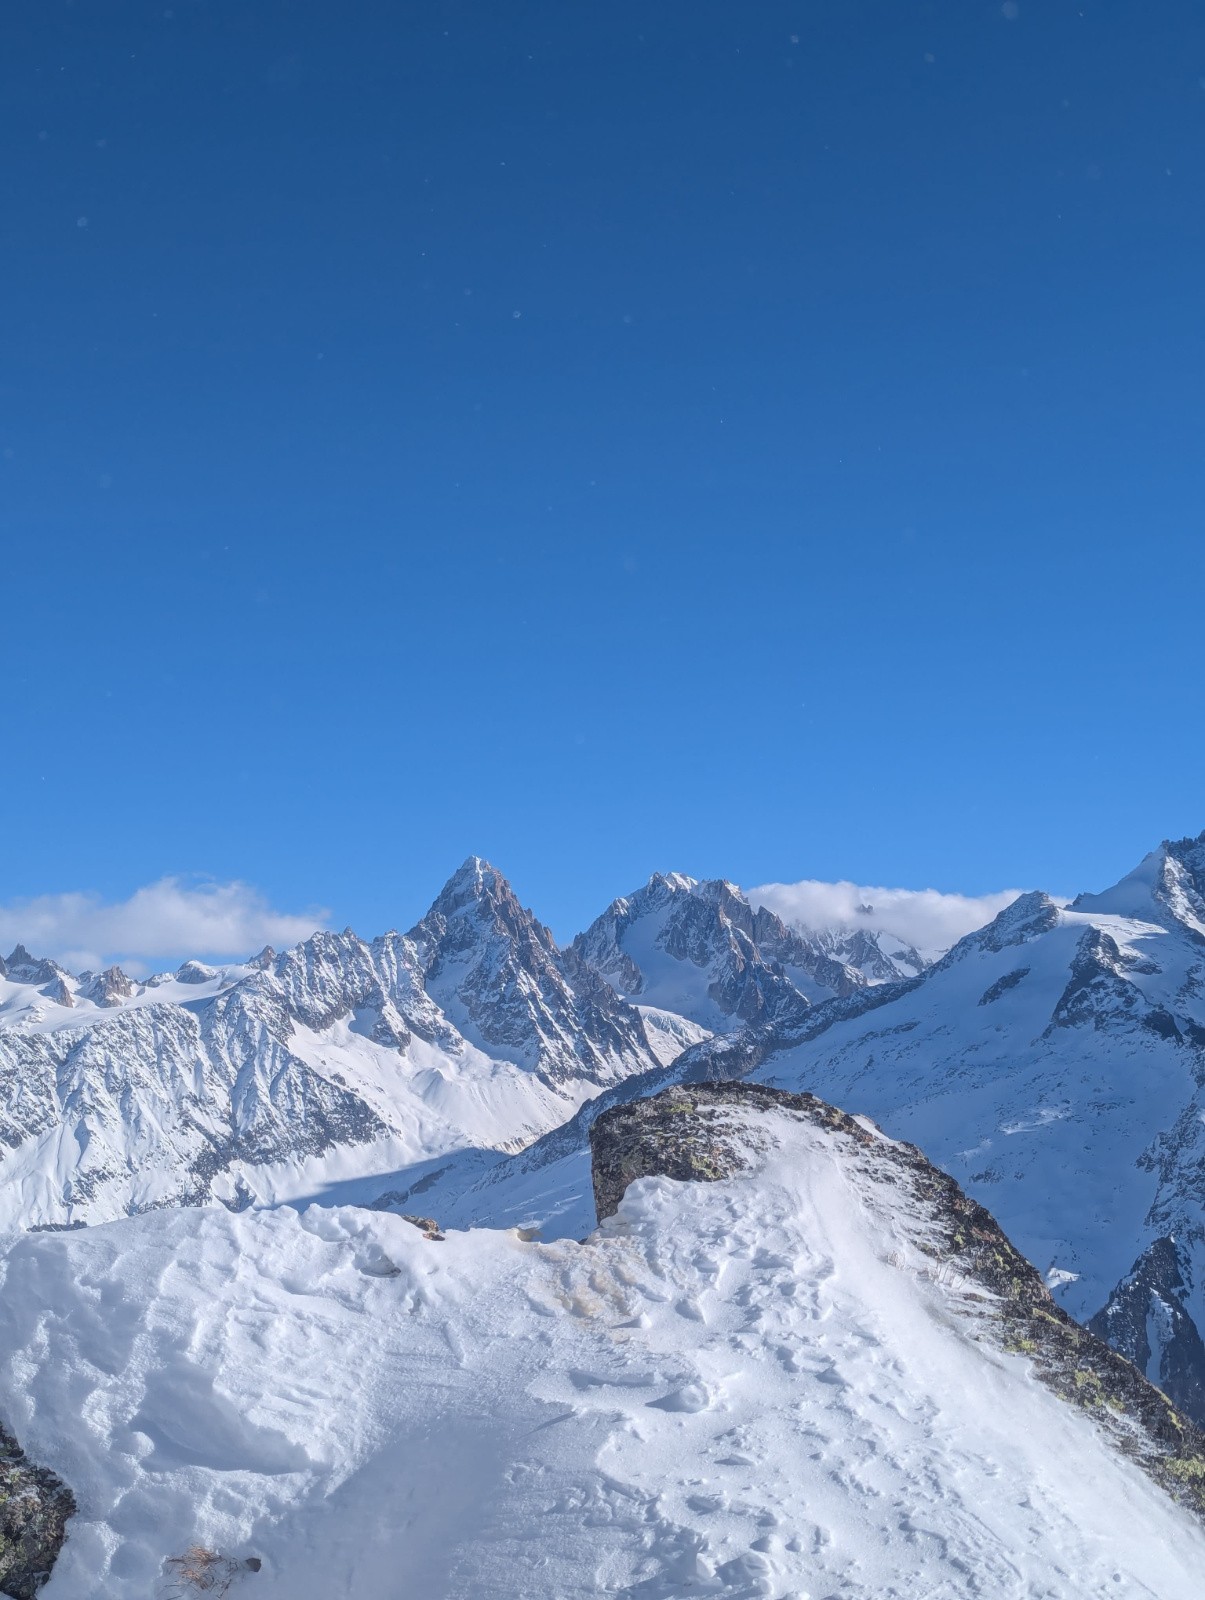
x: 779, y: 1383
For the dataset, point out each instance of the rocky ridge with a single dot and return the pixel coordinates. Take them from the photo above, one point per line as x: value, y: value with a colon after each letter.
x: 701, y: 949
x: 1054, y: 1060
x: 706, y: 1133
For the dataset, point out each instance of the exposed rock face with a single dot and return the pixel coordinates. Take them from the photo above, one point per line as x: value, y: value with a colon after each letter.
x: 1026, y: 918
x: 497, y: 973
x: 1168, y: 884
x: 21, y: 967
x: 713, y: 1131
x: 1147, y: 1320
x: 701, y: 949
x: 59, y: 993
x: 34, y: 1508
x: 108, y: 988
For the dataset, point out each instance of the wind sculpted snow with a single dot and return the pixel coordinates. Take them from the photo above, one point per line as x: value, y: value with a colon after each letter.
x: 750, y: 1387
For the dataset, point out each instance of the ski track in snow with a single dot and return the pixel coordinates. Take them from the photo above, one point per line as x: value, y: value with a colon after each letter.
x: 745, y: 1389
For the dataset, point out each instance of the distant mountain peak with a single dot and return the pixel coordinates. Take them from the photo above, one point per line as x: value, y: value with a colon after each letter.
x: 26, y: 968
x: 675, y: 882
x: 1167, y: 885
x: 474, y: 876
x: 497, y: 973
x: 108, y: 988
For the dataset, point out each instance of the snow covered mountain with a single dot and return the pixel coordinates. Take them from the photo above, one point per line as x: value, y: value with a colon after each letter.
x: 823, y: 1372
x: 1053, y: 1061
x: 700, y: 950
x: 262, y: 1081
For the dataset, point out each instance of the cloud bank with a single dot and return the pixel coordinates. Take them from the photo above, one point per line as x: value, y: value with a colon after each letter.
x: 925, y: 918
x: 158, y: 925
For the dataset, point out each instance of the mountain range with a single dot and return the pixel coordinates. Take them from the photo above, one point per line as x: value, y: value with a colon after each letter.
x: 272, y: 1148
x: 258, y: 1081
x: 1054, y: 1061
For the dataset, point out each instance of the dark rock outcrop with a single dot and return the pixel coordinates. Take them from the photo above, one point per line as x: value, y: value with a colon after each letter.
x: 34, y: 1508
x: 708, y: 1132
x: 1147, y: 1320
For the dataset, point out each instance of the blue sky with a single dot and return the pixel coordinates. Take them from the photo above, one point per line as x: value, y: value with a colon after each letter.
x: 753, y: 440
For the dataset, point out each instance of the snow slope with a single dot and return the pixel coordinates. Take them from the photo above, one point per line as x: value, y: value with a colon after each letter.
x: 1054, y: 1062
x: 748, y: 1387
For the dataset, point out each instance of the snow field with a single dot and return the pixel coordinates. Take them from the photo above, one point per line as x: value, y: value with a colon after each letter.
x: 748, y: 1388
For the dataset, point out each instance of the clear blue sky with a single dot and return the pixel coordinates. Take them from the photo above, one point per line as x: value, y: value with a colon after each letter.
x: 761, y: 440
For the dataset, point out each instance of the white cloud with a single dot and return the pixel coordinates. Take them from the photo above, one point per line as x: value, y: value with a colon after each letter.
x: 158, y: 925
x: 925, y: 918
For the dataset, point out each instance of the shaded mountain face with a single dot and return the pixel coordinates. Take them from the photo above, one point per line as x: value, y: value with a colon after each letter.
x: 497, y: 974
x: 699, y: 949
x: 245, y: 1083
x: 1148, y: 1320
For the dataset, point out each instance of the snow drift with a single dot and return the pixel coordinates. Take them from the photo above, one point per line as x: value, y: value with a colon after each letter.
x: 768, y: 1384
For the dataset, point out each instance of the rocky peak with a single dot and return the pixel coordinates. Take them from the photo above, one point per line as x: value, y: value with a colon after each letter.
x: 477, y: 907
x: 21, y: 967
x: 1167, y: 886
x: 1182, y: 883
x: 498, y: 975
x: 1023, y: 919
x: 108, y: 988
x: 701, y: 949
x: 878, y: 957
